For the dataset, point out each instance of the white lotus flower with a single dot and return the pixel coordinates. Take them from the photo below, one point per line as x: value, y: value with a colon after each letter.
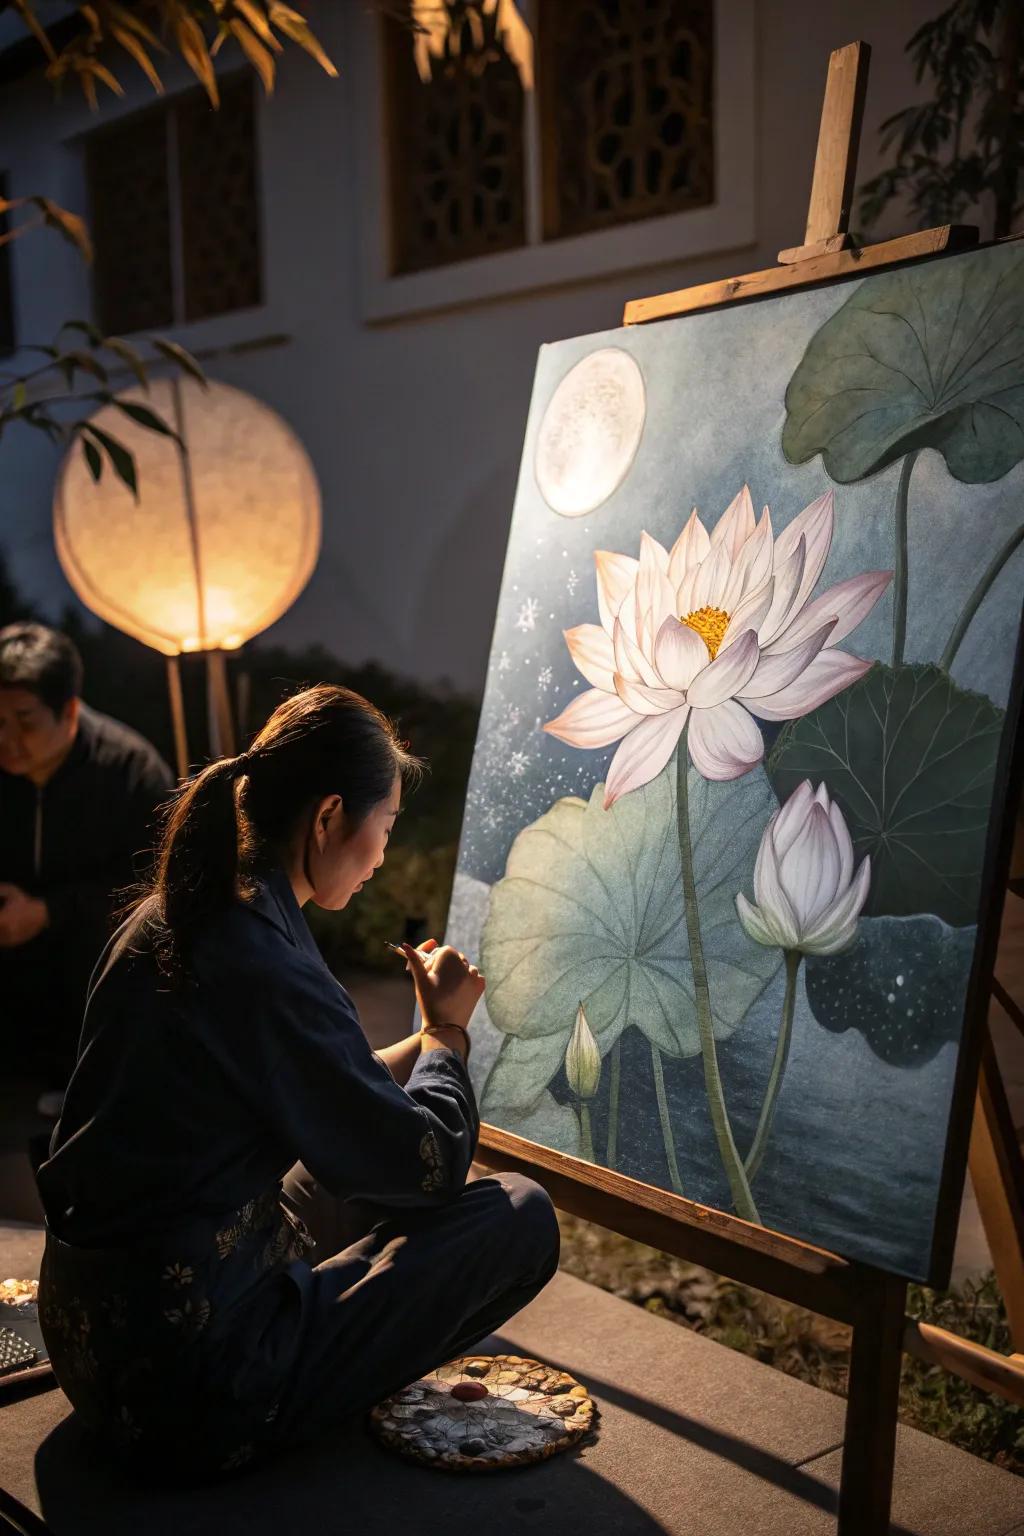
x: 808, y: 897
x: 717, y: 630
x: 583, y: 1059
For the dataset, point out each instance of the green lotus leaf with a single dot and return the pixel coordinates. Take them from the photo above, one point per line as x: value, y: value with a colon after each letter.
x: 591, y: 910
x: 910, y: 758
x: 927, y: 357
x: 540, y: 1118
x: 901, y: 985
x: 524, y: 1066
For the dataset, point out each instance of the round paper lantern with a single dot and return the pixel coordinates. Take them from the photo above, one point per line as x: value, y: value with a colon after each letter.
x: 223, y: 536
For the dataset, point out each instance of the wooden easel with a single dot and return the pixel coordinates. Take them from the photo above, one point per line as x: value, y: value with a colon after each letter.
x: 870, y: 1300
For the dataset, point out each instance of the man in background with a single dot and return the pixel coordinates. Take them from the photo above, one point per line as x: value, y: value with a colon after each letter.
x: 78, y: 793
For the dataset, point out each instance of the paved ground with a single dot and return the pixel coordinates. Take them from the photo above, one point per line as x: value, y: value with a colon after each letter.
x: 693, y: 1440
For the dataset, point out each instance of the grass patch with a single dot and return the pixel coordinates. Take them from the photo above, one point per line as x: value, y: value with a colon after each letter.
x: 813, y: 1348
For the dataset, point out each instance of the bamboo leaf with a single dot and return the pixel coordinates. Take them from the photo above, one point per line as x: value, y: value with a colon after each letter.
x: 255, y: 52
x: 92, y: 20
x: 129, y: 22
x: 127, y: 353
x: 88, y: 364
x: 92, y: 457
x: 194, y: 51
x: 20, y: 396
x: 120, y: 458
x: 103, y: 74
x: 132, y: 45
x: 93, y: 332
x: 70, y: 225
x: 89, y: 89
x: 145, y: 417
x: 297, y: 29
x: 26, y: 11
x: 177, y: 354
x: 257, y: 21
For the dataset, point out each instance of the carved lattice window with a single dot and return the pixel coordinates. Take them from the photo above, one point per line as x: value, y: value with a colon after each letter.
x: 130, y: 222
x: 455, y: 145
x: 220, y: 223
x: 626, y: 110
x: 174, y: 211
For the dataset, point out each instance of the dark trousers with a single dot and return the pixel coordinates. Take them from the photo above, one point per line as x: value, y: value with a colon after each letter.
x: 405, y: 1290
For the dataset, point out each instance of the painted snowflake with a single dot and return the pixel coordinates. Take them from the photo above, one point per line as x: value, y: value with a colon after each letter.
x: 526, y: 619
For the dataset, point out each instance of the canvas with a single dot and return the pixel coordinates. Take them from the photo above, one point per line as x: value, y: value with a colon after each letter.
x: 736, y: 768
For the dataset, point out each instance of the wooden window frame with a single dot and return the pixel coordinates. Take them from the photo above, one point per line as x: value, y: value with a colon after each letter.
x: 728, y: 223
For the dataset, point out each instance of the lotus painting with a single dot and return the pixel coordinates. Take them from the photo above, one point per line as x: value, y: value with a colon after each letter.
x: 743, y: 749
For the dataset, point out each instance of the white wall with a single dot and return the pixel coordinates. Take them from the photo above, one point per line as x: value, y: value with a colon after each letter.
x: 414, y: 425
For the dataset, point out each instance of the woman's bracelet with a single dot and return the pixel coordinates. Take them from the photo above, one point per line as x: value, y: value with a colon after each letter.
x: 436, y: 1029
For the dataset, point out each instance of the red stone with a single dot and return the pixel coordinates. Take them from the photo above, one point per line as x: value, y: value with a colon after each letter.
x: 469, y: 1391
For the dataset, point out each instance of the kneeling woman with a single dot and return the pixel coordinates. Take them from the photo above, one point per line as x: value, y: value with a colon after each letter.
x: 219, y: 1061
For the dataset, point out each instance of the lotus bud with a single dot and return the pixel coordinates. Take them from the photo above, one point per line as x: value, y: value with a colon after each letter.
x: 807, y: 896
x: 583, y: 1059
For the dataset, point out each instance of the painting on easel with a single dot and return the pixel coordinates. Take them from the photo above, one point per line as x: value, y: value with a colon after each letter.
x: 731, y: 793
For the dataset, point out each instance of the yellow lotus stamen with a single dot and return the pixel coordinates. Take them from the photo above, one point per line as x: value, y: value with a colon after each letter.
x: 711, y: 624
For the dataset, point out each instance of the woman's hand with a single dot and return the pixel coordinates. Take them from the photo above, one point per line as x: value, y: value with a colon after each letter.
x: 448, y: 987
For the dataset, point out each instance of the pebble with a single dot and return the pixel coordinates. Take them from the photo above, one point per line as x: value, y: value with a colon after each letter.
x: 470, y: 1391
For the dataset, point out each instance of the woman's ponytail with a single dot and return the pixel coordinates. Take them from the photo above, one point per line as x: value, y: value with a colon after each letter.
x: 197, y: 861
x: 220, y: 836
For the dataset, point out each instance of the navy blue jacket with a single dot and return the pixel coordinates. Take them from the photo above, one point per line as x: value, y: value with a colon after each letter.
x: 188, y: 1102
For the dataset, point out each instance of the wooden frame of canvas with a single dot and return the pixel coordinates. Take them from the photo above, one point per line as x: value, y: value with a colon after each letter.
x: 870, y: 1300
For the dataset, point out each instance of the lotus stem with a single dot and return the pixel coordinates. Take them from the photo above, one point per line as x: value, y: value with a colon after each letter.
x: 731, y: 1160
x: 666, y: 1123
x: 613, y: 1104
x: 759, y: 1145
x: 586, y: 1137
x: 900, y: 578
x: 978, y: 596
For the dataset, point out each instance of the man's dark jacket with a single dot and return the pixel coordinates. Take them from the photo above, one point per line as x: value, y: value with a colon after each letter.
x: 78, y: 841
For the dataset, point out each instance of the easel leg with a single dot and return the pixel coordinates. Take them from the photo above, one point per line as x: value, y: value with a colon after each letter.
x: 997, y: 1173
x: 865, y: 1495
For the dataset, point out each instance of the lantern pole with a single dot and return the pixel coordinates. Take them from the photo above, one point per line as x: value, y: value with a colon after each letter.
x: 218, y: 701
x: 177, y: 716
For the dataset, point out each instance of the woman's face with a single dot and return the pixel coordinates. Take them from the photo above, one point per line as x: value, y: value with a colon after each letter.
x: 342, y: 857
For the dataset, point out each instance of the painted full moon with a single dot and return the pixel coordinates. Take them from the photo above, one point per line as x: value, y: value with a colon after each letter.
x: 590, y: 432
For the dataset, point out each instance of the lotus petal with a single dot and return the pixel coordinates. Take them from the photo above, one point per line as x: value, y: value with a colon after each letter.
x: 727, y: 675
x: 826, y: 675
x: 847, y: 603
x: 642, y: 755
x: 724, y: 742
x: 593, y: 654
x: 595, y: 719
x: 679, y: 654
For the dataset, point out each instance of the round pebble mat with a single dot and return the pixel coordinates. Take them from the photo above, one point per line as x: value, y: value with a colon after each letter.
x: 481, y: 1412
